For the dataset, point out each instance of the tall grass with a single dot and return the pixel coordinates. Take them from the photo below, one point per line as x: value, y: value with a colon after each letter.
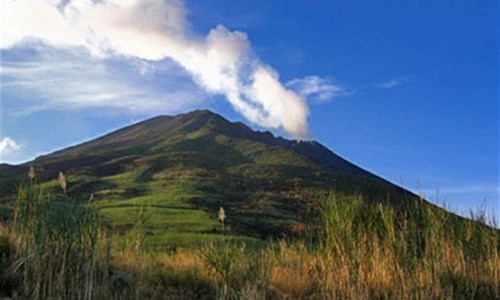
x: 365, y: 251
x: 56, y: 248
x: 356, y: 250
x: 423, y: 252
x: 237, y: 272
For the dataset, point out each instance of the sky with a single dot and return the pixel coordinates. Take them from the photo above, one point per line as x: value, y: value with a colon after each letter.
x: 407, y: 90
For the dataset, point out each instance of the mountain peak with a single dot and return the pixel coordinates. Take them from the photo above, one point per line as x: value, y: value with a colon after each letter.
x: 200, y: 158
x: 198, y: 119
x: 158, y: 132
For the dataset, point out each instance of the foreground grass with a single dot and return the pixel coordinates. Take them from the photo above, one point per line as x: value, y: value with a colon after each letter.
x: 57, y: 249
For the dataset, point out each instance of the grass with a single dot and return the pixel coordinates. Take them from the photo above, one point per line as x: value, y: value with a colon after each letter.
x: 140, y: 222
x: 56, y: 248
x: 264, y: 186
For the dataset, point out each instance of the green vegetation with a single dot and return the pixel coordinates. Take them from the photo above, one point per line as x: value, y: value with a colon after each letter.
x: 182, y: 169
x: 56, y: 248
x: 52, y: 248
x: 134, y: 215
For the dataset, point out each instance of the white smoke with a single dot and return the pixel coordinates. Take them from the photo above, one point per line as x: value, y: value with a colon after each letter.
x: 222, y: 62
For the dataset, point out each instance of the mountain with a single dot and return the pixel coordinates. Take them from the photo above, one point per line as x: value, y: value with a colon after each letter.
x: 181, y: 169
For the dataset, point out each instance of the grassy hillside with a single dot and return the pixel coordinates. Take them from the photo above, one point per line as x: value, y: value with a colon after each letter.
x: 137, y: 218
x: 180, y: 170
x: 54, y: 248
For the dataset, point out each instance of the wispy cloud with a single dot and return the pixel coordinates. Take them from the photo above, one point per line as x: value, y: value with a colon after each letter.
x: 316, y: 88
x: 394, y: 82
x: 222, y: 62
x: 8, y: 147
x: 58, y: 79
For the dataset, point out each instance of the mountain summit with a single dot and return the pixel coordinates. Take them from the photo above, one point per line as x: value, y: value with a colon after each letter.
x: 194, y: 163
x: 200, y: 125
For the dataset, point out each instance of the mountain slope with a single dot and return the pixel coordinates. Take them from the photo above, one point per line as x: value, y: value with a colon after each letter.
x: 158, y: 129
x: 183, y: 168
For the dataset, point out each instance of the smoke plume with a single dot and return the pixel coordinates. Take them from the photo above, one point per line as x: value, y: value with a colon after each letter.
x: 222, y: 62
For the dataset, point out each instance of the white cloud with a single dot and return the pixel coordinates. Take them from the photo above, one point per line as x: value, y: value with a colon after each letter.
x: 222, y: 62
x: 63, y: 81
x: 394, y: 82
x: 8, y: 147
x: 316, y: 88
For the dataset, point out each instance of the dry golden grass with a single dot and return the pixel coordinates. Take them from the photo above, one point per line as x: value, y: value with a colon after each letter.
x: 360, y: 252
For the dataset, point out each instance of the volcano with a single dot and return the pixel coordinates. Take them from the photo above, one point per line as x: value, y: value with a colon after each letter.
x: 181, y: 169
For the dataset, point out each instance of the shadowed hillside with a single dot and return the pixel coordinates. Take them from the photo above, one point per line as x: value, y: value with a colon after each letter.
x: 181, y: 169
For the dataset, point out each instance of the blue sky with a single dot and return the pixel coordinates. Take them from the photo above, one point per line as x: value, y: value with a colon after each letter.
x: 405, y: 89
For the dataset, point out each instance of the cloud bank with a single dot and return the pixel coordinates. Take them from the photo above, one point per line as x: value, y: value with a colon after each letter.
x: 8, y: 146
x: 63, y: 80
x: 222, y: 62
